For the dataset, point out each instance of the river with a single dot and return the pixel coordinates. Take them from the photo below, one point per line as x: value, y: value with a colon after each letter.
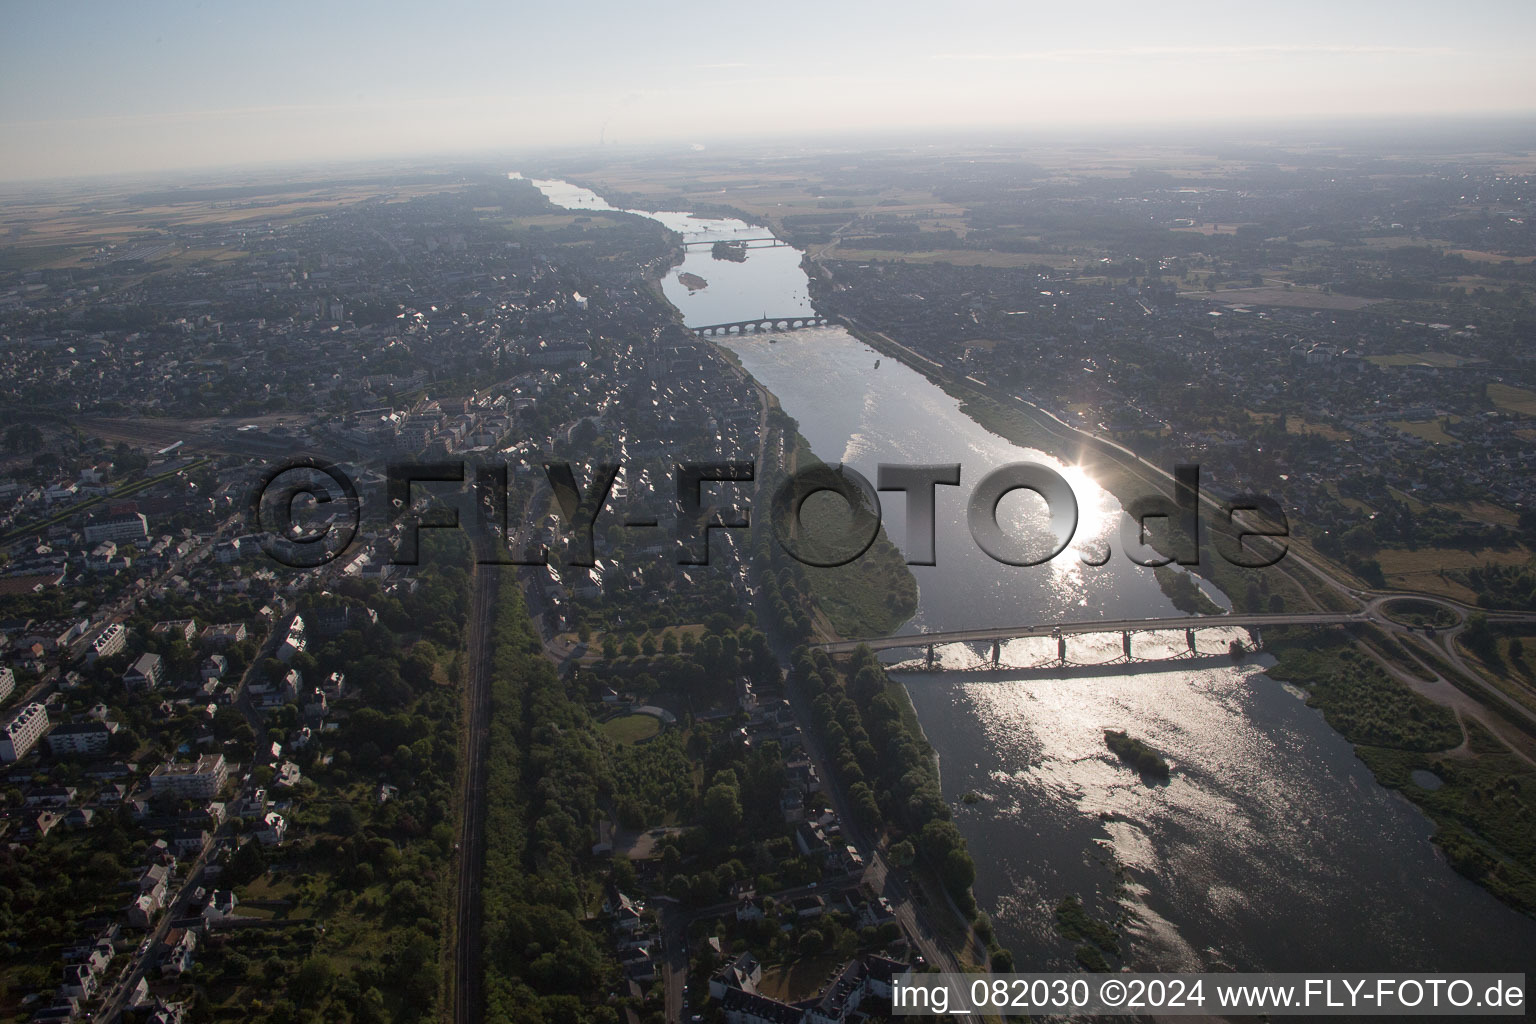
x: 1271, y: 847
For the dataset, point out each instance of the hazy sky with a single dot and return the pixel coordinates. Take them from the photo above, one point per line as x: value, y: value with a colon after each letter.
x: 88, y: 88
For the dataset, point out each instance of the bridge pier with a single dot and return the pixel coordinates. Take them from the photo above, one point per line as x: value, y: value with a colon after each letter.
x: 1189, y: 638
x: 997, y: 653
x: 1061, y: 648
x: 1125, y: 644
x: 929, y: 660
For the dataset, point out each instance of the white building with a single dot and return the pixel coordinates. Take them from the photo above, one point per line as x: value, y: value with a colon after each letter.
x: 273, y: 829
x: 201, y: 780
x: 7, y: 683
x: 294, y: 642
x: 109, y: 641
x: 129, y: 526
x: 23, y: 731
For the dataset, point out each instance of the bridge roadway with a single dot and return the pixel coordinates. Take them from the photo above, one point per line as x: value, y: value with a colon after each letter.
x: 774, y: 242
x: 1002, y: 633
x: 760, y: 324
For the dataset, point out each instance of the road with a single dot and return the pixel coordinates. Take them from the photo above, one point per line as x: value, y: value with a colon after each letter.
x: 911, y: 916
x: 955, y: 636
x: 468, y: 1001
x: 112, y: 1001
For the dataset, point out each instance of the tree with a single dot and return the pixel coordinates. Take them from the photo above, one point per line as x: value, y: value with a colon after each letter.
x: 1479, y: 638
x: 722, y: 809
x: 312, y: 980
x: 344, y: 820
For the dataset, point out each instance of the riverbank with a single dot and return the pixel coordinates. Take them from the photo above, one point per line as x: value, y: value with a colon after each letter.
x: 872, y: 596
x: 1479, y: 811
x: 1229, y: 725
x: 1390, y: 729
x: 1119, y: 472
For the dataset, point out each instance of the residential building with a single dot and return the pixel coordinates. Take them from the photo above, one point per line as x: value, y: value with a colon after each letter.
x: 294, y: 642
x: 224, y: 634
x: 23, y: 731
x: 199, y: 780
x: 127, y: 526
x: 108, y: 642
x: 81, y: 738
x: 184, y: 628
x: 145, y: 673
x: 273, y: 829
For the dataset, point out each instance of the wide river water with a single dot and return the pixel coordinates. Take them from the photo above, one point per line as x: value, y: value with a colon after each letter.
x: 1271, y: 848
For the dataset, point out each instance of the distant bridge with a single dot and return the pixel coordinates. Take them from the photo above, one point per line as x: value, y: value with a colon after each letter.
x: 746, y: 243
x: 997, y: 636
x: 766, y: 323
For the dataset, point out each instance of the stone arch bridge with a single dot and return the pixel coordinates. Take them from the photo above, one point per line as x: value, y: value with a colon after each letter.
x: 759, y: 325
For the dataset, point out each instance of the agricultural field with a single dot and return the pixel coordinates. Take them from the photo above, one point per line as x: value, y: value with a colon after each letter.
x: 1432, y: 358
x: 1432, y: 431
x: 1512, y: 399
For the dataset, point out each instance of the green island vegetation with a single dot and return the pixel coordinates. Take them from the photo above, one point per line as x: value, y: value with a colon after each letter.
x: 872, y: 595
x: 1136, y: 753
x: 736, y: 252
x: 1482, y: 813
x: 1096, y: 940
x: 1185, y: 593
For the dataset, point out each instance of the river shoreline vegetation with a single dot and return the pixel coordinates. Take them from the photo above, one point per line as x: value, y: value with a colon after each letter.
x: 892, y: 779
x: 872, y: 596
x: 864, y: 718
x: 1254, y: 590
x: 1482, y: 813
x: 1356, y: 701
x: 1185, y: 593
